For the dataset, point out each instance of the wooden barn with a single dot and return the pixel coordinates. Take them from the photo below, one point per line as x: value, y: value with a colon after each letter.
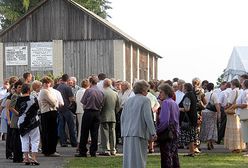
x: 61, y: 36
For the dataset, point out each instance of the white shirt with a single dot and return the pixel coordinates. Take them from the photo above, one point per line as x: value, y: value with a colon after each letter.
x: 228, y: 93
x: 153, y: 99
x: 79, y: 95
x: 154, y: 103
x: 221, y: 96
x: 2, y: 92
x: 179, y: 96
x: 123, y: 97
x: 214, y: 99
x: 240, y: 99
x: 100, y: 85
x: 244, y: 97
x: 60, y: 101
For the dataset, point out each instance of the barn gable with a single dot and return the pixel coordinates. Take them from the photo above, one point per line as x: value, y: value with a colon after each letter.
x: 58, y: 20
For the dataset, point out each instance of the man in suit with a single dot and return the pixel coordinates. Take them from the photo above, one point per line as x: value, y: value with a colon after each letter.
x: 137, y: 127
x: 108, y: 120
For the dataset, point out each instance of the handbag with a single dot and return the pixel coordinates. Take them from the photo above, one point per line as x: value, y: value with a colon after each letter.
x: 243, y: 114
x: 165, y: 135
x: 185, y: 124
x: 231, y: 110
x: 211, y: 106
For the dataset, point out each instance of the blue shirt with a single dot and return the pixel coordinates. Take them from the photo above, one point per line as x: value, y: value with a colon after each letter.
x: 93, y: 99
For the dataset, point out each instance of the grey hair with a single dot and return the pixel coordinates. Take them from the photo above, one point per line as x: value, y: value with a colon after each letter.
x: 36, y: 82
x: 140, y: 86
x: 73, y: 79
x: 180, y: 81
x: 126, y: 83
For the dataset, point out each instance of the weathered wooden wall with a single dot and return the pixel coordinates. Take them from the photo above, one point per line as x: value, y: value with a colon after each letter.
x: 84, y: 58
x: 58, y: 20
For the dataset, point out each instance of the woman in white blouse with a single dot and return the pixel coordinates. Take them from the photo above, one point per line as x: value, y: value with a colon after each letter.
x: 209, y: 118
x: 233, y: 136
x: 48, y: 102
x: 80, y: 111
x: 242, y: 103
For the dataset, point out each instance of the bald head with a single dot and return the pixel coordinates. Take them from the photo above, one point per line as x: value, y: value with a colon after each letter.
x: 107, y: 83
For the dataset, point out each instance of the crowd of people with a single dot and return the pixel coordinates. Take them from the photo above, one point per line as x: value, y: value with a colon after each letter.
x: 105, y: 112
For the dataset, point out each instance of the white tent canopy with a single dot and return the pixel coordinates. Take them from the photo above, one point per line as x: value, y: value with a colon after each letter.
x: 237, y: 64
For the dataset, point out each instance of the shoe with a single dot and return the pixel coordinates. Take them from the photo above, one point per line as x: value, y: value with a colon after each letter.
x: 26, y: 162
x: 245, y: 155
x: 236, y: 151
x: 9, y: 157
x: 180, y: 147
x: 74, y: 145
x: 55, y: 154
x: 64, y: 145
x: 80, y: 155
x: 212, y: 146
x: 104, y: 154
x: 93, y: 155
x: 151, y: 151
x: 197, y: 150
x: 190, y: 155
x: 209, y: 146
x: 35, y: 163
x: 113, y: 153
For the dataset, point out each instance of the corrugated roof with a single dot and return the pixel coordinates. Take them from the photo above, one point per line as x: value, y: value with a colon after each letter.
x: 103, y: 21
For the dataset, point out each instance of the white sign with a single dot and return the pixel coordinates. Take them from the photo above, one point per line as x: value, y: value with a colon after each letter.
x: 16, y: 55
x: 42, y: 56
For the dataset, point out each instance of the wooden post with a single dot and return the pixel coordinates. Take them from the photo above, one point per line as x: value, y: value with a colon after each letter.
x: 58, y: 58
x: 1, y: 62
x: 119, y: 59
x: 131, y: 57
x: 148, y: 67
x: 153, y: 67
x: 124, y: 61
x: 138, y: 59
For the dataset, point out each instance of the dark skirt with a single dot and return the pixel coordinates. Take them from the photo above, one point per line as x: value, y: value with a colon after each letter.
x: 188, y: 136
x: 49, y: 135
x: 169, y: 151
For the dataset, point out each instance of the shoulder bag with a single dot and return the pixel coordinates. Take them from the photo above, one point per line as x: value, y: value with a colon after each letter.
x: 185, y: 124
x: 165, y: 135
x: 211, y: 106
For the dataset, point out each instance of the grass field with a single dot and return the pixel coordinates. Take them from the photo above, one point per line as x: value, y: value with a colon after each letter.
x: 201, y: 161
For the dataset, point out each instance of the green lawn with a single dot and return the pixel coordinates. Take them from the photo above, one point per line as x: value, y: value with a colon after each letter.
x: 201, y: 161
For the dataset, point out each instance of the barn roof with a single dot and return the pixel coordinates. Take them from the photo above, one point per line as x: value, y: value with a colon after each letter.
x: 125, y: 36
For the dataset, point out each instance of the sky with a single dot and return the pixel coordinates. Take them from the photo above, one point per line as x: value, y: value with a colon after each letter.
x: 194, y: 37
